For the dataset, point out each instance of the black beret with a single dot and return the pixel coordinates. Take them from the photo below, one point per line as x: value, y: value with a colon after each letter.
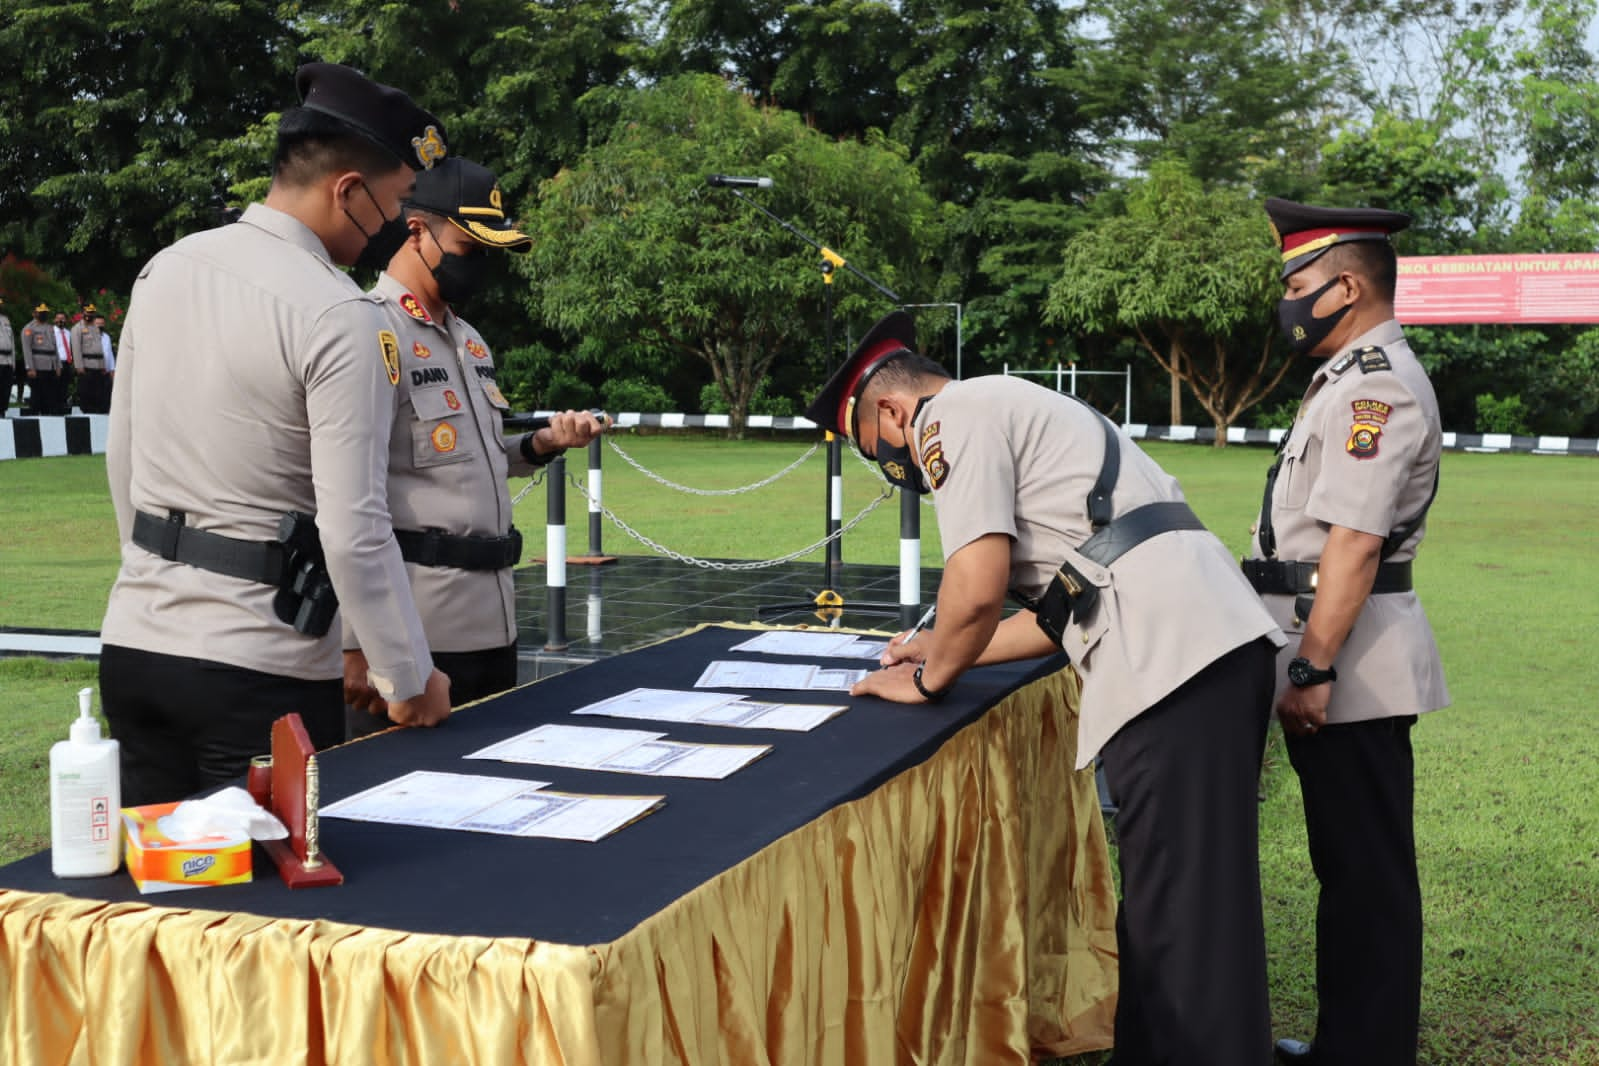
x: 468, y: 194
x: 1305, y: 232
x: 381, y: 113
x: 894, y: 334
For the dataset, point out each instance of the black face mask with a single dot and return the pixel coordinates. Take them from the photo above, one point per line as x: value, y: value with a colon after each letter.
x: 41, y: 318
x: 459, y: 277
x: 1300, y: 324
x: 380, y: 246
x: 898, y: 461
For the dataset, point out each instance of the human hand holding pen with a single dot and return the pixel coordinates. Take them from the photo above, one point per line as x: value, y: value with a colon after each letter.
x: 905, y: 647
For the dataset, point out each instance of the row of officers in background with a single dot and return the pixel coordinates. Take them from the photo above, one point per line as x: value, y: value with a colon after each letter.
x: 48, y: 360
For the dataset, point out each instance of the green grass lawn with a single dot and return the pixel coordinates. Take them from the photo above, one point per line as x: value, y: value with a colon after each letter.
x: 1507, y: 783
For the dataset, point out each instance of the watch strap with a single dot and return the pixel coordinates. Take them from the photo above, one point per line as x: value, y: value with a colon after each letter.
x: 930, y: 695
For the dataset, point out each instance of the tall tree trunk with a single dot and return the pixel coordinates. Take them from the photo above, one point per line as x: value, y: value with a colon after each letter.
x: 1176, y: 396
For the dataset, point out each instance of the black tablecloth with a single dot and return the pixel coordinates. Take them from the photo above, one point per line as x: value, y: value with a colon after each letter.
x: 474, y: 884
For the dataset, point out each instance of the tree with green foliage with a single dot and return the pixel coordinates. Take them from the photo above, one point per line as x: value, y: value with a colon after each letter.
x: 1191, y: 273
x: 636, y: 256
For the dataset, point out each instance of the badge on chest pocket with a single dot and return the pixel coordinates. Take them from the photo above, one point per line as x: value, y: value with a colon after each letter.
x: 440, y: 433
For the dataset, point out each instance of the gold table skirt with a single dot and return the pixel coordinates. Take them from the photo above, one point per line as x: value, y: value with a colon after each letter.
x: 962, y: 914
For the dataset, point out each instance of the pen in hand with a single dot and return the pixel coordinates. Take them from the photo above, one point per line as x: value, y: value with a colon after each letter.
x: 921, y: 624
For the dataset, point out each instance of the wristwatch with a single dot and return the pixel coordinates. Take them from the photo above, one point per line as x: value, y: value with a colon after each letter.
x: 928, y: 694
x: 1301, y: 674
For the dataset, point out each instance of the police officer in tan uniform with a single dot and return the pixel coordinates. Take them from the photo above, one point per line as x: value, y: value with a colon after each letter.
x: 223, y: 616
x: 41, y: 363
x: 1037, y: 493
x: 448, y: 459
x: 8, y: 359
x: 88, y: 354
x: 1342, y: 518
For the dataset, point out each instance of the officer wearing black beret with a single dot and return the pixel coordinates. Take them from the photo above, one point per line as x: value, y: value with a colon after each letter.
x: 1344, y: 515
x: 248, y: 453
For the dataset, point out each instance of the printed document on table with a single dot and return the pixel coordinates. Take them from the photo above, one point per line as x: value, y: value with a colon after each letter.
x: 658, y: 704
x: 502, y: 805
x: 792, y: 717
x: 627, y: 751
x: 812, y: 645
x: 802, y: 676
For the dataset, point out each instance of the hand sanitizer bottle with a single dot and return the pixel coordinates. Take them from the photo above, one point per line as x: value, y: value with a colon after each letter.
x: 85, y: 800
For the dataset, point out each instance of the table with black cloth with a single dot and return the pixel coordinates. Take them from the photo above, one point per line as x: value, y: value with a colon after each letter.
x: 901, y: 884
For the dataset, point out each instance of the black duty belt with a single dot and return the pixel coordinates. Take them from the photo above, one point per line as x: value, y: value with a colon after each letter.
x: 1286, y: 577
x: 434, y: 547
x: 170, y: 538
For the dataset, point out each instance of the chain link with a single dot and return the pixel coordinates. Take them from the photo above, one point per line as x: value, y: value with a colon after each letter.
x: 634, y: 463
x: 533, y: 483
x: 710, y: 564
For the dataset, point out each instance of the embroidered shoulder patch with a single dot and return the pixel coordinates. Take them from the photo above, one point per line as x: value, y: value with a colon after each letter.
x: 413, y: 307
x: 937, y: 467
x: 929, y: 433
x: 1363, y: 439
x: 390, y: 344
x: 1371, y: 411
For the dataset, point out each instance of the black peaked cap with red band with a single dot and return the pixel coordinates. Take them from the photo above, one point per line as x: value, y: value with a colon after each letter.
x: 1305, y: 232
x: 894, y: 334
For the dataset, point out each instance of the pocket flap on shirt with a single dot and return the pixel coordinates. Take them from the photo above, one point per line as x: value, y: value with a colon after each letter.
x: 436, y: 402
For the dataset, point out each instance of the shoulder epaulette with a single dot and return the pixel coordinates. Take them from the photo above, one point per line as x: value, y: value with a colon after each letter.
x: 1371, y: 358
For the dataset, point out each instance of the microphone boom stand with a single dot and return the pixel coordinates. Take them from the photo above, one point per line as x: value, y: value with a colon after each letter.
x: 828, y: 604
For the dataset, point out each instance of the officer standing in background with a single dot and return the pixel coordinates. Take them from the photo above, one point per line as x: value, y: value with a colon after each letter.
x: 1038, y: 493
x: 222, y: 618
x: 448, y: 458
x: 8, y: 358
x: 88, y: 353
x: 41, y: 363
x: 1343, y: 515
x: 63, y: 338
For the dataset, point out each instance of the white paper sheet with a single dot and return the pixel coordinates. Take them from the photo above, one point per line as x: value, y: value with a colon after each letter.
x: 629, y: 751
x: 802, y: 676
x: 658, y: 704
x: 791, y: 717
x: 501, y: 805
x: 812, y: 645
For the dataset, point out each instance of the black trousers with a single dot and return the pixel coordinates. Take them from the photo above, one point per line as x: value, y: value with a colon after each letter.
x: 187, y: 725
x: 46, y: 389
x: 1358, y: 783
x: 7, y: 372
x: 473, y: 675
x: 1185, y: 775
x: 94, y: 392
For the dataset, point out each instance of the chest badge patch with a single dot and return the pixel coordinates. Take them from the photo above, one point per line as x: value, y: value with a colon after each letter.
x: 933, y: 460
x: 477, y: 349
x: 451, y: 400
x: 443, y: 437
x: 421, y: 351
x: 492, y: 391
x: 413, y: 307
x: 391, y: 354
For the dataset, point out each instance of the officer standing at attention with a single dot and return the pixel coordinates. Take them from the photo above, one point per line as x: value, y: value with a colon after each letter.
x: 1343, y: 515
x: 448, y: 457
x: 8, y: 358
x: 88, y: 354
x: 221, y: 618
x: 1038, y: 493
x: 41, y: 363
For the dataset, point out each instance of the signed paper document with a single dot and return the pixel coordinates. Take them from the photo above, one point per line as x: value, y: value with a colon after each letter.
x: 712, y: 708
x: 812, y: 645
x: 502, y: 805
x: 626, y: 751
x: 804, y: 677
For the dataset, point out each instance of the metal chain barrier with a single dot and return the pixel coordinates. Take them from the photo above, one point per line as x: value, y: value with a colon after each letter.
x: 709, y: 564
x: 534, y: 482
x: 634, y: 463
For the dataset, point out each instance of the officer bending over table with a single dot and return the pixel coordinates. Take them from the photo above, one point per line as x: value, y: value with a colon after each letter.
x: 249, y: 479
x: 448, y: 458
x: 1038, y: 494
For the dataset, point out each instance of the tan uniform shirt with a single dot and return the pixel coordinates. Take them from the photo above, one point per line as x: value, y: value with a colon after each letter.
x: 39, y: 348
x: 448, y: 462
x: 253, y: 381
x: 1021, y: 460
x: 87, y: 351
x: 1362, y: 454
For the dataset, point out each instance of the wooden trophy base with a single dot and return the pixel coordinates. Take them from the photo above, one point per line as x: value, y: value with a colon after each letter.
x: 293, y: 870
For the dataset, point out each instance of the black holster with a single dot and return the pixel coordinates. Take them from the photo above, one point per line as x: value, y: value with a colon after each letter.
x: 1068, y: 595
x: 305, y: 597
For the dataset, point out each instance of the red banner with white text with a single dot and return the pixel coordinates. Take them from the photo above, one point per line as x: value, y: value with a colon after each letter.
x: 1437, y: 289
